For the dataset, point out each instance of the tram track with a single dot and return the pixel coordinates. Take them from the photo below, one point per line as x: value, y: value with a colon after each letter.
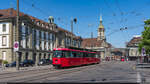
x: 46, y: 77
x: 55, y: 74
x: 24, y: 70
x: 21, y: 73
x: 43, y: 74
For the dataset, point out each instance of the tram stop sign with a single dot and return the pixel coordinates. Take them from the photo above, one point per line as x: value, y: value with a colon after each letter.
x: 143, y: 52
x: 16, y: 46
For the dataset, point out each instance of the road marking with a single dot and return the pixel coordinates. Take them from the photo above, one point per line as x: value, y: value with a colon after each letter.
x: 138, y: 78
x: 134, y: 67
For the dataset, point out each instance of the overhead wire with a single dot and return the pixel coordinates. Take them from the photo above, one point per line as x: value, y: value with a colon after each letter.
x: 45, y: 13
x: 122, y: 20
x: 113, y: 13
x: 129, y: 28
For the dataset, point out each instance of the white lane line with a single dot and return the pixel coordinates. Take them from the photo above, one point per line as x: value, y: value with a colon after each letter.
x: 139, y: 78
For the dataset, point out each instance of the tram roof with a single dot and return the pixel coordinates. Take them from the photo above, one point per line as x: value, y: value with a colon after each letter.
x: 77, y: 49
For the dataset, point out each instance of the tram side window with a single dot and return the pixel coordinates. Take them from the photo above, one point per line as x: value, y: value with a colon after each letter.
x: 63, y: 54
x: 81, y: 54
x: 78, y: 54
x: 67, y: 54
x: 89, y: 54
x: 85, y: 54
x: 57, y: 54
x: 74, y: 54
x: 94, y: 55
x: 71, y: 54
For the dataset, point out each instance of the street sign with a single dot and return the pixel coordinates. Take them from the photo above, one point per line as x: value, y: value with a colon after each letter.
x: 143, y: 52
x: 16, y: 46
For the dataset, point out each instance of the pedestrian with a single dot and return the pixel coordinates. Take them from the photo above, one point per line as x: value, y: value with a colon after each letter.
x: 127, y: 59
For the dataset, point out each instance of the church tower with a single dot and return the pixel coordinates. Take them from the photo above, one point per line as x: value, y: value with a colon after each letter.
x: 101, y: 30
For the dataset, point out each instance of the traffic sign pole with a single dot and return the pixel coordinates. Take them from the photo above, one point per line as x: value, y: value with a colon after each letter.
x: 143, y: 54
x: 17, y: 37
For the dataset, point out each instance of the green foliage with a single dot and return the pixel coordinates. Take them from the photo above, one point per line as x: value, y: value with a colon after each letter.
x: 145, y: 42
x: 5, y: 62
x: 147, y: 22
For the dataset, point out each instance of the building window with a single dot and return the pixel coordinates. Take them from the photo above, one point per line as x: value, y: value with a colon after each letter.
x: 4, y: 28
x: 4, y: 40
x: 4, y: 55
x: 79, y: 44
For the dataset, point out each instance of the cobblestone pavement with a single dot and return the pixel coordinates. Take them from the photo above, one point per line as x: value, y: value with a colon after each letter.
x: 112, y: 71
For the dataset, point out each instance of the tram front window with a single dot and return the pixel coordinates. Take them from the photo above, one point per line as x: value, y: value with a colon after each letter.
x: 57, y: 54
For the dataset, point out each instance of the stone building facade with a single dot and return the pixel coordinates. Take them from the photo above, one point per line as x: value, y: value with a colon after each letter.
x: 37, y: 38
x: 132, y: 48
x: 118, y: 53
x: 98, y: 44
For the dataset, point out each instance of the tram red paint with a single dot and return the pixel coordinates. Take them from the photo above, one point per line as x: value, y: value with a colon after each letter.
x: 65, y: 57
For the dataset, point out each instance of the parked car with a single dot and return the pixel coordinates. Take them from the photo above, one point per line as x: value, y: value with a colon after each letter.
x: 13, y: 64
x: 27, y: 63
x: 42, y: 61
x: 7, y: 65
x: 49, y: 61
x: 45, y: 62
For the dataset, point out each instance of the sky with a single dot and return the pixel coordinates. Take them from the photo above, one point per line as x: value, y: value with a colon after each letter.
x: 116, y: 14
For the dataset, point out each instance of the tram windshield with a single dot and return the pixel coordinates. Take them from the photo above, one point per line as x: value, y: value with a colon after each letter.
x: 57, y: 53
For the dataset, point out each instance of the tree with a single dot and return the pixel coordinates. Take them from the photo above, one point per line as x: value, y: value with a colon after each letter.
x: 145, y: 42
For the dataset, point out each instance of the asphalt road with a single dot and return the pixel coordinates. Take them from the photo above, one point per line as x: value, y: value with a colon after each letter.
x: 105, y: 72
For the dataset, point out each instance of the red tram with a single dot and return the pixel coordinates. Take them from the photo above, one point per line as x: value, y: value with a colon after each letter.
x: 67, y: 57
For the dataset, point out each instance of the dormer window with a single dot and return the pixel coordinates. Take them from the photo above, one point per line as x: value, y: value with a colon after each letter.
x: 38, y: 22
x: 43, y: 25
x: 47, y: 26
x: 23, y: 24
x: 33, y: 20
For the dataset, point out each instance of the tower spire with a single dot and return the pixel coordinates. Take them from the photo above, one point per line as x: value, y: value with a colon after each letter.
x: 101, y: 25
x: 100, y: 17
x: 101, y: 30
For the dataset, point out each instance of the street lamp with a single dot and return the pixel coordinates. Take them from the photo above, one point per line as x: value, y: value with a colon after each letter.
x: 75, y: 21
x: 90, y: 25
